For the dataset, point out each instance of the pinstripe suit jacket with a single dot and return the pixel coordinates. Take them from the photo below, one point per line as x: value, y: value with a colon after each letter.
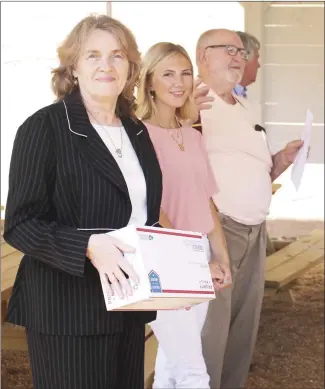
x: 63, y: 181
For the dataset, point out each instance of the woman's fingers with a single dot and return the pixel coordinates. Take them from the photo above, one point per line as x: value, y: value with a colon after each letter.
x: 220, y: 284
x: 128, y: 269
x: 106, y: 285
x: 221, y: 276
x: 123, y: 282
x: 115, y: 284
x: 123, y: 247
x: 227, y: 274
x: 228, y: 277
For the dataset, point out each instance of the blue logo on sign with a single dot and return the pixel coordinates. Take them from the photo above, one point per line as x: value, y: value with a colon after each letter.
x: 155, y: 284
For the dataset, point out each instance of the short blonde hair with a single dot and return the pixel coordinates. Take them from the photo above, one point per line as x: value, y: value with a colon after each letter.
x: 68, y: 53
x: 146, y: 106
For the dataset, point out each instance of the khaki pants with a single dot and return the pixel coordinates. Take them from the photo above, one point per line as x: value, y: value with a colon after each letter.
x: 231, y: 326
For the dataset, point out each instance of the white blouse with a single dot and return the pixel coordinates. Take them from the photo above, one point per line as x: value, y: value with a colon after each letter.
x: 130, y: 167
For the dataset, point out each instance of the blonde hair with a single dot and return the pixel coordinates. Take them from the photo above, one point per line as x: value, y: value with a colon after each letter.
x: 146, y: 106
x: 63, y: 82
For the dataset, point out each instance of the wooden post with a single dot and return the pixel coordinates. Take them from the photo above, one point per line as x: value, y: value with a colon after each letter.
x: 3, y: 311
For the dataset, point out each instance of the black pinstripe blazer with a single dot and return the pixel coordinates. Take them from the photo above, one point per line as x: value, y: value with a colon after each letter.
x: 62, y: 181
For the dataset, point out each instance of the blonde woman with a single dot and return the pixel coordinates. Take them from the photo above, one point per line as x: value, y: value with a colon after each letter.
x: 164, y: 100
x: 79, y: 168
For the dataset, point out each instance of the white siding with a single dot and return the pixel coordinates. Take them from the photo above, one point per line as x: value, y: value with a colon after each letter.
x: 290, y: 81
x: 293, y: 77
x: 30, y: 34
x: 178, y: 22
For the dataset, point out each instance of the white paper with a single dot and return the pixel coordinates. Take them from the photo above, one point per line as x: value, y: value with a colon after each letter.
x: 302, y: 156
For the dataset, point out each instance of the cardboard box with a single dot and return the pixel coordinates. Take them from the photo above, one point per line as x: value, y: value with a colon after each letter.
x: 172, y: 266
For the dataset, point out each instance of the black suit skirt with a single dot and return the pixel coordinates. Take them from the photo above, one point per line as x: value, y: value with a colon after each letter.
x: 109, y: 361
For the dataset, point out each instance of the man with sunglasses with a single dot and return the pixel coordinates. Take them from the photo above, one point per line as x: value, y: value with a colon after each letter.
x: 244, y: 170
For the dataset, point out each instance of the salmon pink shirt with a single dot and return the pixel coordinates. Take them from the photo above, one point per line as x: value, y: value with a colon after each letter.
x: 188, y: 180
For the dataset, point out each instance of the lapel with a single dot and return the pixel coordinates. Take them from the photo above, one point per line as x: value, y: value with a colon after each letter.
x: 93, y: 148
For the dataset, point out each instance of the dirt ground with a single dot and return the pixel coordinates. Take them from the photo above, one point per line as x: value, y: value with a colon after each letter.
x: 290, y: 347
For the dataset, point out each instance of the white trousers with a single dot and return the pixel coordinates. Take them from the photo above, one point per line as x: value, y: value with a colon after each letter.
x: 179, y: 361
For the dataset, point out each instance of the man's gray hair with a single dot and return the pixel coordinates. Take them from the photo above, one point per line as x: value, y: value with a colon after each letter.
x: 251, y: 44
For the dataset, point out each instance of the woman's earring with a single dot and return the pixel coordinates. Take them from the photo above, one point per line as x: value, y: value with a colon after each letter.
x: 152, y: 94
x: 75, y: 81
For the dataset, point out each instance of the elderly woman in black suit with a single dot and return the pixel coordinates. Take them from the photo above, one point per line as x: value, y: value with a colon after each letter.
x: 81, y: 167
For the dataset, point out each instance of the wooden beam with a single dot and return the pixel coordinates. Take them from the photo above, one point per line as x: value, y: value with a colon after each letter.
x: 3, y: 310
x: 9, y: 268
x: 151, y: 346
x: 291, y: 250
x: 296, y: 265
x: 13, y: 338
x: 275, y: 188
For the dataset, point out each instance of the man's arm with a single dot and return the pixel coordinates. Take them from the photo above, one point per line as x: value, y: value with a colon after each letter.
x: 278, y: 167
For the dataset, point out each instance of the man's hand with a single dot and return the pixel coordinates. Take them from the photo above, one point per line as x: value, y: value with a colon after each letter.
x: 290, y: 152
x: 200, y: 95
x: 284, y: 158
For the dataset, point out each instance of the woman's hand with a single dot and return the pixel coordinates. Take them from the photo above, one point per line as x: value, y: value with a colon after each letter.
x: 221, y: 275
x: 106, y: 254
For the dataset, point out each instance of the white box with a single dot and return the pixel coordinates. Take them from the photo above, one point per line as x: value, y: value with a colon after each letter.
x: 172, y: 266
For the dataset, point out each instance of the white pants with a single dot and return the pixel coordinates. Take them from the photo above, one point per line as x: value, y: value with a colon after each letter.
x: 179, y: 361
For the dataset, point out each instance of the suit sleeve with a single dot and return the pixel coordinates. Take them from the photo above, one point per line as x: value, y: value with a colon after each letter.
x: 30, y: 222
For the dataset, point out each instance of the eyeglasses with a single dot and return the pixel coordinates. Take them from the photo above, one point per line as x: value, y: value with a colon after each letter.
x: 232, y: 50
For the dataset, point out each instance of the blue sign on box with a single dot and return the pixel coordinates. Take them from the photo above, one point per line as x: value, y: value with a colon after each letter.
x: 155, y: 284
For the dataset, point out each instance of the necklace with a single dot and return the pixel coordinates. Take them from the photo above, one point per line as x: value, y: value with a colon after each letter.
x: 179, y: 132
x: 118, y: 150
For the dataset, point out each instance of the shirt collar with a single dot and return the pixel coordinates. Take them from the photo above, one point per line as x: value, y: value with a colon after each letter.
x: 240, y: 90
